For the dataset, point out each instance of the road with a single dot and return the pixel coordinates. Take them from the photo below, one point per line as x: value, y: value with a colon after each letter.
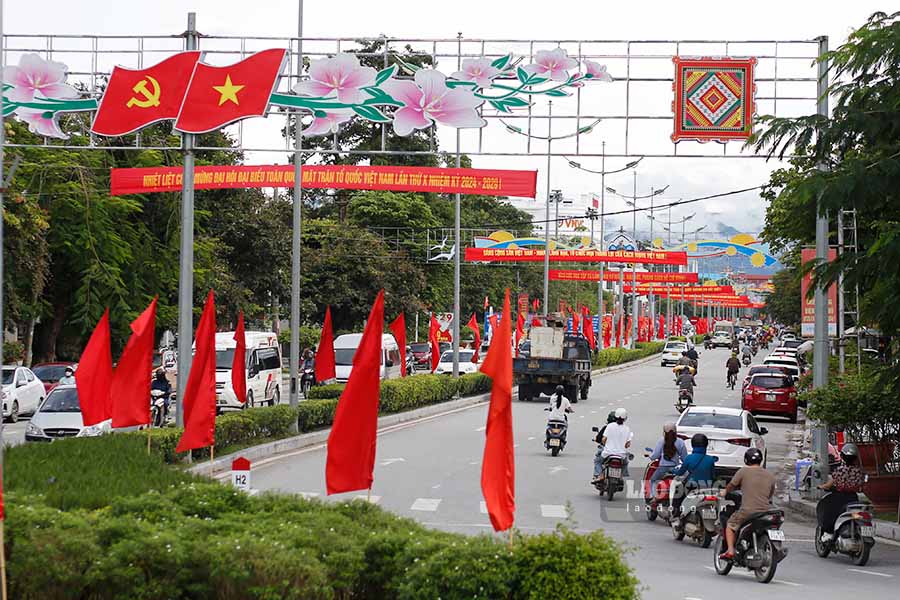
x: 430, y: 471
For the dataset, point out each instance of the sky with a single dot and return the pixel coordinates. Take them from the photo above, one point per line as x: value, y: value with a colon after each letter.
x: 525, y: 20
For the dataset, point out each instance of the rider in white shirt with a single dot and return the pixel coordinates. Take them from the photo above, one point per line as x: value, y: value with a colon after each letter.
x: 559, y: 406
x: 617, y: 438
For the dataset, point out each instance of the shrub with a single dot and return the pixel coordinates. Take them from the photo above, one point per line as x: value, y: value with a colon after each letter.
x: 324, y: 392
x: 616, y: 356
x: 860, y: 404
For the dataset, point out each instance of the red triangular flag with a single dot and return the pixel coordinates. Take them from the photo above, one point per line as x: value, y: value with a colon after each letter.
x: 520, y: 331
x: 130, y: 387
x: 433, y: 331
x: 239, y: 362
x: 398, y: 328
x: 94, y: 375
x: 476, y: 331
x: 498, y: 469
x: 351, y: 443
x: 587, y: 327
x: 493, y: 320
x: 324, y: 365
x: 199, y: 398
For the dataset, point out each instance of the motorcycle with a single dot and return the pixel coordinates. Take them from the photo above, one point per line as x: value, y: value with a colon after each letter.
x: 613, y: 476
x: 698, y: 517
x: 658, y: 505
x: 854, y: 534
x: 754, y: 349
x: 707, y: 344
x: 746, y: 360
x: 759, y: 546
x: 158, y: 411
x: 685, y: 399
x: 555, y: 439
x: 307, y: 379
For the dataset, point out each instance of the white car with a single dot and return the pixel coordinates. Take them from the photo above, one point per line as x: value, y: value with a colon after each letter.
x: 787, y: 335
x: 60, y: 417
x: 787, y: 362
x: 672, y: 352
x: 22, y: 392
x: 731, y: 431
x: 445, y: 366
x: 721, y: 339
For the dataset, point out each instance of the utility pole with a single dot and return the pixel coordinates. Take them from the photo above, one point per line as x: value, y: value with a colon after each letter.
x: 547, y: 217
x: 602, y: 244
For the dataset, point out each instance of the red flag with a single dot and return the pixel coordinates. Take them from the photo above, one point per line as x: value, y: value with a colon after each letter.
x: 94, y: 375
x: 135, y: 98
x: 433, y: 331
x: 130, y: 387
x: 239, y: 362
x: 473, y: 325
x: 398, y: 327
x: 607, y: 330
x: 218, y: 96
x: 627, y: 330
x: 199, y: 399
x: 536, y: 322
x: 324, y: 365
x: 351, y: 443
x: 498, y: 469
x: 535, y: 304
x: 587, y: 327
x: 520, y: 331
x: 575, y: 323
x: 595, y: 203
x: 494, y: 324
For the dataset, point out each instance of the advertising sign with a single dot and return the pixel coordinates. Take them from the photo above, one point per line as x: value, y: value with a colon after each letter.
x: 445, y: 334
x: 533, y: 255
x: 808, y: 305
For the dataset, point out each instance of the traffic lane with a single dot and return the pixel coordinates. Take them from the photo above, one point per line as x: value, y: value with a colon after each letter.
x: 14, y: 433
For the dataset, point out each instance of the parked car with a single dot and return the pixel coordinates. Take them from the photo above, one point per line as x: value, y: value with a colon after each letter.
x: 51, y: 372
x: 730, y: 431
x: 763, y: 370
x: 60, y: 417
x: 421, y: 355
x: 345, y: 349
x: 445, y: 366
x: 672, y: 352
x: 22, y: 392
x: 769, y: 394
x: 787, y: 362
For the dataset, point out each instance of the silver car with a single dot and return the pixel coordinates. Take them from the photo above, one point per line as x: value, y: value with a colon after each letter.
x: 59, y: 416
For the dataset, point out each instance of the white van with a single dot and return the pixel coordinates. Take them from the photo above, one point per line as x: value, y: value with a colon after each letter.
x: 263, y: 369
x: 345, y: 349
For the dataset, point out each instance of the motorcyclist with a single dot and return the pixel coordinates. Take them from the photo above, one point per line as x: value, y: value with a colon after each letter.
x: 757, y: 486
x: 686, y: 381
x: 699, y: 468
x: 844, y: 484
x: 598, y: 458
x: 693, y: 355
x: 68, y: 377
x: 308, y: 359
x: 161, y: 383
x: 560, y: 406
x: 685, y: 360
x: 670, y: 451
x: 732, y: 365
x: 616, y: 440
x: 746, y: 352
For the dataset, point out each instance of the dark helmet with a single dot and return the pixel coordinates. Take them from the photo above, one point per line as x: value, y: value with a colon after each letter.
x: 753, y: 457
x: 160, y: 373
x: 560, y: 389
x: 849, y: 453
x: 699, y: 441
x: 611, y: 416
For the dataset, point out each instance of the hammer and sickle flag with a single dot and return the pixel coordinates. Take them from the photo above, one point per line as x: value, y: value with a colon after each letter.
x: 135, y: 98
x: 218, y: 96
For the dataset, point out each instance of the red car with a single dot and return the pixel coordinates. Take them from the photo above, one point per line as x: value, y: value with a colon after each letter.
x: 421, y: 353
x: 761, y: 370
x: 771, y: 394
x: 50, y: 373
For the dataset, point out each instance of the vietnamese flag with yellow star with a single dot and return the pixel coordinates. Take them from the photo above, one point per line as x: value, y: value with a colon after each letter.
x: 218, y: 96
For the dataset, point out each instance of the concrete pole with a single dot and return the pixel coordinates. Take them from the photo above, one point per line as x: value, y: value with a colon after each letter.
x: 634, y: 298
x: 297, y: 232
x: 602, y: 246
x: 547, y: 213
x: 621, y: 310
x: 820, y: 349
x: 459, y: 248
x: 186, y: 258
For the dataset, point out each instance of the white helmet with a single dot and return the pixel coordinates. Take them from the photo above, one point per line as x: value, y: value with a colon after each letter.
x: 621, y: 413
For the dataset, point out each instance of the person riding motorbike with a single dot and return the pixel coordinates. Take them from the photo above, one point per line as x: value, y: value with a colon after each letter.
x: 699, y: 468
x: 732, y: 365
x: 844, y: 484
x: 616, y: 440
x: 757, y: 486
x: 309, y: 359
x: 686, y: 381
x: 560, y: 406
x: 746, y: 352
x: 598, y: 457
x: 685, y: 360
x: 161, y: 383
x: 670, y: 451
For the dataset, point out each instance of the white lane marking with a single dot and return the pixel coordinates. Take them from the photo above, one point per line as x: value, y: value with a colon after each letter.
x: 309, y: 495
x: 553, y: 511
x: 692, y: 598
x: 749, y: 574
x: 391, y: 461
x: 866, y: 572
x: 474, y: 462
x: 482, y: 428
x: 434, y: 487
x: 593, y: 412
x: 483, y: 507
x: 557, y: 469
x: 581, y: 416
x: 426, y: 504
x: 531, y: 438
x: 371, y: 499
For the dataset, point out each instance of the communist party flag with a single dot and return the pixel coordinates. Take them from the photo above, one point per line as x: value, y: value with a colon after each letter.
x: 199, y: 400
x: 498, y: 468
x: 587, y: 326
x: 351, y: 443
x: 398, y: 328
x: 473, y: 325
x: 433, y: 331
x: 324, y: 365
x: 239, y: 362
x: 218, y: 96
x: 94, y: 375
x: 130, y: 387
x: 135, y: 98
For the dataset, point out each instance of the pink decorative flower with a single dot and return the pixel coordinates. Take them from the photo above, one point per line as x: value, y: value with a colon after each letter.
x: 596, y: 71
x: 342, y: 74
x: 428, y: 100
x: 40, y: 124
x: 34, y: 75
x: 479, y: 70
x: 553, y: 63
x: 327, y: 124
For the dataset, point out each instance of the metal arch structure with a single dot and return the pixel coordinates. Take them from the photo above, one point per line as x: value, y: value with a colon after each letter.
x: 633, y: 110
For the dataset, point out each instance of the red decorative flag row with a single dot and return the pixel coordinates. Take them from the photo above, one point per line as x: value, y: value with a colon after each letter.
x: 199, y: 399
x: 325, y: 368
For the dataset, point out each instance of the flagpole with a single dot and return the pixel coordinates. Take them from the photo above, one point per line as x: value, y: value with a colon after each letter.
x: 296, y: 242
x: 212, y: 452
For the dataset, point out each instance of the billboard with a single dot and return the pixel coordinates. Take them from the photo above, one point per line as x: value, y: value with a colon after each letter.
x: 808, y: 305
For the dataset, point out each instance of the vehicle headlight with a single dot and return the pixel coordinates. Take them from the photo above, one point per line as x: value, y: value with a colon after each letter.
x: 33, y: 429
x: 92, y: 431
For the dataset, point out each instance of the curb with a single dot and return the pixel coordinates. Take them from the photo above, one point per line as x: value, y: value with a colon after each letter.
x: 313, y: 438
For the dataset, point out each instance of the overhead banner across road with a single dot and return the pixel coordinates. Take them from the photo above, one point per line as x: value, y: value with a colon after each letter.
x: 531, y: 255
x: 695, y: 290
x: 485, y: 182
x: 642, y: 276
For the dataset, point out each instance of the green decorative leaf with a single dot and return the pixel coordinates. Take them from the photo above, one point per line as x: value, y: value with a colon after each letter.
x: 556, y: 93
x: 319, y: 114
x: 8, y: 108
x: 501, y: 62
x: 371, y: 113
x: 500, y: 105
x: 385, y: 74
x: 451, y: 83
x: 408, y: 67
x: 379, y: 96
x: 522, y: 74
x: 536, y: 79
x: 515, y: 102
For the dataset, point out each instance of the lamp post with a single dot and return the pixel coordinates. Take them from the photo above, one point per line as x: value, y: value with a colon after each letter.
x: 669, y: 228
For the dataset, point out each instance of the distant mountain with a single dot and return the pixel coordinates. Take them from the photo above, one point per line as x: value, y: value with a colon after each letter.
x: 725, y: 231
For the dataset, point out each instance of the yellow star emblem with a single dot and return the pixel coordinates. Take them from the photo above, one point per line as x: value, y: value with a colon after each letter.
x: 228, y: 91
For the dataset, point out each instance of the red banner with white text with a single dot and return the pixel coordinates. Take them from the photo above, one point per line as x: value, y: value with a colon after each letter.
x: 612, y: 275
x: 486, y: 182
x: 531, y: 255
x: 698, y: 290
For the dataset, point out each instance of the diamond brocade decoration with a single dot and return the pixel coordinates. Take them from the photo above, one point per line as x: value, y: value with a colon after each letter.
x: 713, y: 99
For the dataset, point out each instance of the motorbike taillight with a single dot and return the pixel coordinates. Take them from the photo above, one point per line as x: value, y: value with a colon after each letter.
x: 862, y: 516
x: 710, y: 498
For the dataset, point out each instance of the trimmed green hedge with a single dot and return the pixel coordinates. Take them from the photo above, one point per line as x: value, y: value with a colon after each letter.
x: 616, y: 356
x: 165, y: 538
